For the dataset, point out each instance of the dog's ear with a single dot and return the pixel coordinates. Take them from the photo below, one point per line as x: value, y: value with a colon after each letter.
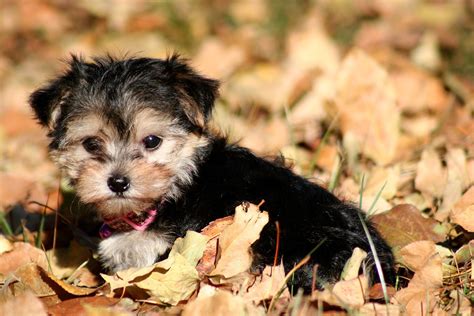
x: 198, y: 92
x: 46, y: 101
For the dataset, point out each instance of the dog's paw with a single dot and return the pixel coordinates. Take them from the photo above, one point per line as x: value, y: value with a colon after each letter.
x: 132, y: 249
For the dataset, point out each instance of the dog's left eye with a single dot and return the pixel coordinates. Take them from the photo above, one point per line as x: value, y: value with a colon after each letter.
x: 151, y: 142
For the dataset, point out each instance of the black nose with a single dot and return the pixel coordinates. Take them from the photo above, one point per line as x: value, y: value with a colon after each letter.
x: 118, y: 184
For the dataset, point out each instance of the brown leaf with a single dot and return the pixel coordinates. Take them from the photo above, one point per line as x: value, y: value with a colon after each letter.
x: 236, y: 239
x: 431, y: 176
x: 416, y: 254
x: 29, y: 277
x: 456, y: 181
x: 404, y: 224
x: 311, y: 40
x: 462, y: 212
x: 21, y: 254
x: 376, y: 309
x: 350, y: 293
x: 221, y: 303
x: 213, y: 231
x: 76, y: 307
x: 422, y: 289
x: 230, y: 57
x: 376, y: 291
x: 267, y: 285
x: 26, y: 304
x: 69, y: 288
x: 367, y: 107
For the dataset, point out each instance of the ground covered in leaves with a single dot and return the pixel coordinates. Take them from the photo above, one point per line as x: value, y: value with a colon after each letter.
x: 372, y: 99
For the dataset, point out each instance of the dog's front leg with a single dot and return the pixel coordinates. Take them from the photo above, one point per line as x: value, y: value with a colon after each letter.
x: 132, y: 249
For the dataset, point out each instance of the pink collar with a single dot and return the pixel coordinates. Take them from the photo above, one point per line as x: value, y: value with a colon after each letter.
x: 127, y: 222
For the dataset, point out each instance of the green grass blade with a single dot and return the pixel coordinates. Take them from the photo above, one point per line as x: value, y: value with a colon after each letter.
x: 378, y: 265
x: 4, y: 225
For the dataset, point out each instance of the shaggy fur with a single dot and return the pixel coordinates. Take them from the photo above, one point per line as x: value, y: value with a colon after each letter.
x: 99, y: 115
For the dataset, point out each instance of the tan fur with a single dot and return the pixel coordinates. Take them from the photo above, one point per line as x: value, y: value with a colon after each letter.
x: 153, y: 176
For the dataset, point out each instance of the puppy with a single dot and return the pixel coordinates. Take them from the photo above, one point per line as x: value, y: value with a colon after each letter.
x: 133, y: 137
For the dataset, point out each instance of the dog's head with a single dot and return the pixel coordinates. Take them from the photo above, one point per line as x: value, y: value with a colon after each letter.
x: 127, y: 133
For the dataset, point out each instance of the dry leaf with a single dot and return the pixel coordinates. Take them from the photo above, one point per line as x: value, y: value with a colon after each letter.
x: 431, y: 176
x: 376, y: 309
x: 462, y: 212
x: 171, y: 280
x: 77, y: 306
x: 309, y: 47
x: 26, y: 304
x: 213, y: 232
x: 457, y: 181
x: 267, y: 285
x: 28, y: 277
x: 422, y: 288
x: 5, y: 245
x: 235, y: 241
x: 173, y: 286
x: 404, y: 224
x: 21, y: 254
x: 230, y: 57
x: 69, y: 288
x: 352, y: 266
x: 367, y: 107
x: 387, y: 178
x: 222, y: 303
x: 350, y: 293
x: 416, y: 254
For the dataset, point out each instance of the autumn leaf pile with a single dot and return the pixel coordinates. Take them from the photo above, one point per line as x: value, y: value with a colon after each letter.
x: 372, y: 99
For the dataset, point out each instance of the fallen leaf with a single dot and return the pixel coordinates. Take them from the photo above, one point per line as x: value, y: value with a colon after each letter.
x: 230, y: 57
x: 431, y: 176
x: 366, y: 105
x: 387, y: 178
x: 21, y: 254
x: 376, y: 309
x: 352, y: 267
x: 404, y: 224
x: 422, y: 289
x: 173, y: 286
x: 29, y: 277
x: 456, y: 182
x: 310, y: 47
x: 171, y: 280
x: 76, y: 306
x: 416, y: 254
x: 462, y: 212
x: 350, y: 293
x: 267, y: 285
x: 5, y: 245
x: 26, y: 304
x: 212, y: 231
x: 221, y: 303
x: 69, y: 288
x: 234, y: 244
x: 376, y: 292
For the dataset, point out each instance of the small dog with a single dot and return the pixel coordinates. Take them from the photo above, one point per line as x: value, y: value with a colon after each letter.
x: 133, y: 137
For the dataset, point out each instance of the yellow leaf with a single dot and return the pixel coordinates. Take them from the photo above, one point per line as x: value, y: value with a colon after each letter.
x: 173, y: 286
x: 351, y: 269
x: 221, y: 303
x: 235, y: 242
x: 267, y: 285
x: 366, y: 103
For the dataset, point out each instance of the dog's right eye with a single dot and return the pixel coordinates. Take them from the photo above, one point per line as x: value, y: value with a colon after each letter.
x: 91, y: 145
